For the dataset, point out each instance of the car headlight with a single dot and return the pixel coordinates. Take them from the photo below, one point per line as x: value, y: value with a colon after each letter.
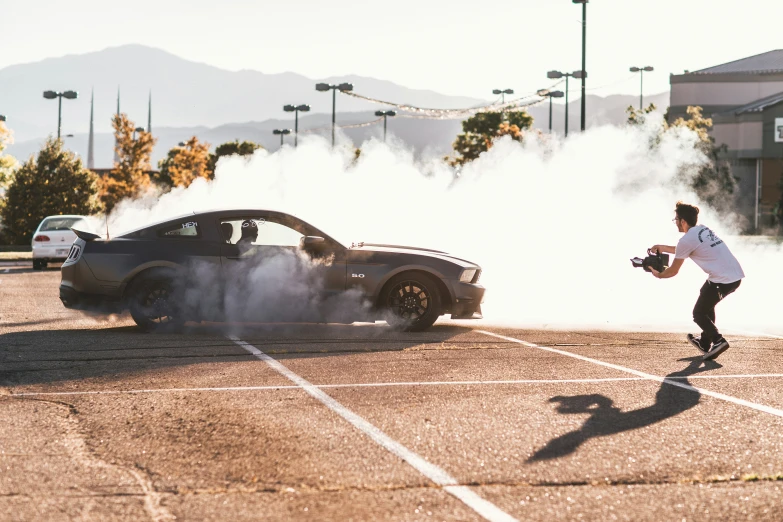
x: 467, y: 275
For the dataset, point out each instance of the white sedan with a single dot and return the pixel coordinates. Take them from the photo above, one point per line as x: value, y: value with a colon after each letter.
x: 53, y: 238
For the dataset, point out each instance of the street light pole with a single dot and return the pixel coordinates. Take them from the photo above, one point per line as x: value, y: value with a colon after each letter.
x: 343, y: 87
x: 554, y: 75
x: 50, y: 95
x: 137, y: 129
x: 385, y: 114
x: 641, y: 70
x: 282, y: 133
x: 502, y: 93
x: 334, y: 111
x: 295, y: 109
x: 550, y: 95
x: 584, y: 56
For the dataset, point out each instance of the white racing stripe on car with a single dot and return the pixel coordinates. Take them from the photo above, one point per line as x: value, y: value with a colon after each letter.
x: 483, y: 507
x: 664, y: 380
x: 393, y: 384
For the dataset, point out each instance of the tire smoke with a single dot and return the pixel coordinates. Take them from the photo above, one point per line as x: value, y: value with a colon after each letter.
x: 552, y: 222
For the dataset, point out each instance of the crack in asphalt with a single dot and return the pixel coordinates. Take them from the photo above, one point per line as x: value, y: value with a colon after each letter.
x: 419, y: 347
x: 278, y: 488
x: 77, y: 495
x: 82, y: 454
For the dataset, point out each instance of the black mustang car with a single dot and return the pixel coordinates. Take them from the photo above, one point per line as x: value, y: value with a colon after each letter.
x: 203, y: 266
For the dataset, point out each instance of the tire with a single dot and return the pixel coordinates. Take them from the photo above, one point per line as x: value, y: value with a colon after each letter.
x: 153, y: 304
x: 39, y: 264
x: 411, y: 302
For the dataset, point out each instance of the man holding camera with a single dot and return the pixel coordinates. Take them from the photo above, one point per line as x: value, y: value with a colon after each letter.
x: 724, y: 272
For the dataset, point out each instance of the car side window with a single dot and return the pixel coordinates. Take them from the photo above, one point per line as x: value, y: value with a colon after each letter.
x: 260, y: 232
x: 188, y: 229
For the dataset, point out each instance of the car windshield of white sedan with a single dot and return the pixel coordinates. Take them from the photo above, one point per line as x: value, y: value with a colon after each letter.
x: 54, y: 224
x: 259, y: 231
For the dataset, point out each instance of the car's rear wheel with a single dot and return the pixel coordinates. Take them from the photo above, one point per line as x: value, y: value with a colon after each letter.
x: 412, y: 302
x: 153, y: 304
x: 39, y: 264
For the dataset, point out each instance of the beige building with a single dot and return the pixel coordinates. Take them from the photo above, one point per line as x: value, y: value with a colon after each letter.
x: 744, y: 98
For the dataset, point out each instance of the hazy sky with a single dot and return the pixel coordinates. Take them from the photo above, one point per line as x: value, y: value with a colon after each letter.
x: 454, y: 47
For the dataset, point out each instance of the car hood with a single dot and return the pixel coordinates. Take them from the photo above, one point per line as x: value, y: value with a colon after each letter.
x: 411, y: 250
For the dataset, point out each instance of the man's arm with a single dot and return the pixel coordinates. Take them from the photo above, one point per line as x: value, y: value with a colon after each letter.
x: 666, y: 249
x: 670, y: 271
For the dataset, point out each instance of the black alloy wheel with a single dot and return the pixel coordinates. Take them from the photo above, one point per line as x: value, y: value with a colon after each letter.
x: 153, y: 305
x: 412, y: 301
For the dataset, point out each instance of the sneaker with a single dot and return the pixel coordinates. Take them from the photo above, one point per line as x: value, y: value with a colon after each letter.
x: 696, y: 341
x: 718, y: 347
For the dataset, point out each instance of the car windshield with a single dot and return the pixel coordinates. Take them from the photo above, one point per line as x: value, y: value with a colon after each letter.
x: 61, y: 223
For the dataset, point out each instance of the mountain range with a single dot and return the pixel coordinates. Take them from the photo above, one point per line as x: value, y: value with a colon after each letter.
x: 217, y: 105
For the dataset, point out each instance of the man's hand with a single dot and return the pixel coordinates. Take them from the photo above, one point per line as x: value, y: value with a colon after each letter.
x: 656, y: 274
x: 662, y: 249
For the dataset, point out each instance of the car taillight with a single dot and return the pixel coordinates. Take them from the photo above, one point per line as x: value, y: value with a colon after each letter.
x: 40, y: 238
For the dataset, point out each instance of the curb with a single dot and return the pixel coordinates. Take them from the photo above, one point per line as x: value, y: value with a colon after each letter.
x: 16, y: 263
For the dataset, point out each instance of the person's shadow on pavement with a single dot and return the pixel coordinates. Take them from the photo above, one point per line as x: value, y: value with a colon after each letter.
x: 607, y: 419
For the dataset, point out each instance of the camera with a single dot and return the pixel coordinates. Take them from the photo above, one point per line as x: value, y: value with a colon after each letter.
x: 657, y: 261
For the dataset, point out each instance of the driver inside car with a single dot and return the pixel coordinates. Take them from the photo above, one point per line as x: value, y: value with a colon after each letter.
x: 249, y: 235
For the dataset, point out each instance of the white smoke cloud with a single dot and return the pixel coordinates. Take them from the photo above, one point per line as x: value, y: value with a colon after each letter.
x: 552, y: 222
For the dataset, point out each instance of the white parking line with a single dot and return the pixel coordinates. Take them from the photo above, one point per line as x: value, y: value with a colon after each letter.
x: 758, y: 334
x: 439, y: 476
x: 393, y: 384
x: 665, y: 380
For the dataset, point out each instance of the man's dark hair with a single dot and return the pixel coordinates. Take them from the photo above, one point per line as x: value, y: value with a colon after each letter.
x: 688, y: 213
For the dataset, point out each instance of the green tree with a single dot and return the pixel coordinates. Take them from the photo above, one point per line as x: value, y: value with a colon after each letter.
x: 230, y: 148
x: 8, y: 164
x: 55, y: 182
x: 183, y: 164
x: 479, y: 131
x: 129, y: 176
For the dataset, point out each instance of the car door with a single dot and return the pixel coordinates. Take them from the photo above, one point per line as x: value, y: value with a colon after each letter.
x: 266, y: 265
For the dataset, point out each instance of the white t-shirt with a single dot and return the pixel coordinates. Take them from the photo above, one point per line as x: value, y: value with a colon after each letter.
x: 711, y: 254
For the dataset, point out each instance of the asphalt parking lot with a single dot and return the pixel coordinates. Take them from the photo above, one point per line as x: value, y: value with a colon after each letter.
x: 358, y: 422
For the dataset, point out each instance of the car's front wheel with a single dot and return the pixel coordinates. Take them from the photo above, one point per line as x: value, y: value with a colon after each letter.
x: 153, y: 304
x: 412, y: 302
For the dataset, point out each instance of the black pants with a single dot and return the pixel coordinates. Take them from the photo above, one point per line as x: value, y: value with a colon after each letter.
x: 704, y: 311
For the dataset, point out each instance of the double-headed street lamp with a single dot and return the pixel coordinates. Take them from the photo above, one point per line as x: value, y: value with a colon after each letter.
x: 2, y: 117
x: 550, y: 95
x: 137, y: 129
x: 503, y: 93
x: 50, y: 95
x: 385, y: 114
x: 553, y: 75
x: 343, y: 87
x: 641, y: 71
x: 584, y: 58
x: 295, y: 109
x: 281, y: 132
